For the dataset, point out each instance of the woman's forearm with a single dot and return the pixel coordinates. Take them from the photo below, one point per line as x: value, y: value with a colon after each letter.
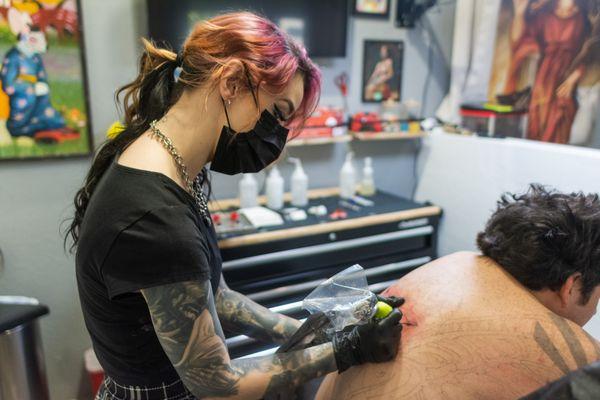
x: 186, y: 324
x: 241, y: 315
x: 257, y: 377
x: 263, y: 376
x: 517, y: 28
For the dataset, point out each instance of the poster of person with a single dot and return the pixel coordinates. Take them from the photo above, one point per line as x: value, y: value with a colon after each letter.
x: 382, y: 70
x: 547, y: 62
x: 43, y: 102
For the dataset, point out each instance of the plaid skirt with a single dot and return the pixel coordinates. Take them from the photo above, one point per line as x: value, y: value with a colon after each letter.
x: 111, y: 390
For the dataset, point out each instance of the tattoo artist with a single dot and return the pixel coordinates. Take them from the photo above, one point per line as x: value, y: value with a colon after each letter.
x: 147, y: 262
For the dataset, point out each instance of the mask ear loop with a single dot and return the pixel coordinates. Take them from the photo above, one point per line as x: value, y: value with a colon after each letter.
x: 251, y: 87
x: 251, y: 91
x: 226, y: 113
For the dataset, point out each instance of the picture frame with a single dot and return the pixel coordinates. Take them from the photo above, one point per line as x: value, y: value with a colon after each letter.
x: 382, y: 70
x: 521, y: 80
x: 44, y: 98
x: 379, y: 9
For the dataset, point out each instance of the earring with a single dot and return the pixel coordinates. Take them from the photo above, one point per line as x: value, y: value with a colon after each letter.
x: 229, y: 102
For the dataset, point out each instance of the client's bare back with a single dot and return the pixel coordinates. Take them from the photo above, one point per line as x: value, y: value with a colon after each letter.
x: 471, y: 332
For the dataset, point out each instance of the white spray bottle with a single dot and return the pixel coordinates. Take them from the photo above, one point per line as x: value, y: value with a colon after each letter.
x: 367, y: 185
x: 248, y: 191
x: 347, y: 178
x: 275, y: 189
x: 299, y: 184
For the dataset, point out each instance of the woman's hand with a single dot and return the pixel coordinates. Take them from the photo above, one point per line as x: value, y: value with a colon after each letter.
x: 393, y: 301
x: 567, y: 88
x: 374, y: 342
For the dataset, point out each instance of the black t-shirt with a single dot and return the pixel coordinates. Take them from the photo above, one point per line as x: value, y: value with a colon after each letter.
x: 139, y: 230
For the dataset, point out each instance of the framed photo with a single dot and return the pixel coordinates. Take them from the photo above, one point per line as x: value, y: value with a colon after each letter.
x: 382, y: 70
x: 372, y: 8
x: 44, y: 111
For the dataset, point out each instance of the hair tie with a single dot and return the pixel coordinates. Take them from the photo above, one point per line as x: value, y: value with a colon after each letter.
x: 178, y: 63
x: 179, y: 58
x: 115, y: 130
x: 176, y: 73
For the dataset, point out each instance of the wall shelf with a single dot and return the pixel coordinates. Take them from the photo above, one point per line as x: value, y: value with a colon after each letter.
x: 360, y: 136
x: 368, y: 136
x: 319, y: 140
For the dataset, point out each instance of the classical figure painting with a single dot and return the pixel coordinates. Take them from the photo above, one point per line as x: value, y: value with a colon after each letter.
x: 547, y: 62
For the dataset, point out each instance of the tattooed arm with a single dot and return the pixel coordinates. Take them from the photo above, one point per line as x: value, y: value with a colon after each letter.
x: 187, y: 326
x: 241, y: 315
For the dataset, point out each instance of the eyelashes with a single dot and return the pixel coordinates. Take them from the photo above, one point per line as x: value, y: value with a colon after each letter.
x: 278, y: 114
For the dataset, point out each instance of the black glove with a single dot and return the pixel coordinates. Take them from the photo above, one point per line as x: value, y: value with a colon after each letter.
x: 393, y: 301
x: 375, y: 341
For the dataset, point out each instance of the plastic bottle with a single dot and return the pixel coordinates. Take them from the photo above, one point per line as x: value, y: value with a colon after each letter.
x: 367, y: 185
x: 299, y: 185
x: 248, y: 191
x: 347, y: 178
x: 275, y: 189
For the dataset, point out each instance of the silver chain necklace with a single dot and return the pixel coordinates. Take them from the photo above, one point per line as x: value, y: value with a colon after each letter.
x: 193, y: 186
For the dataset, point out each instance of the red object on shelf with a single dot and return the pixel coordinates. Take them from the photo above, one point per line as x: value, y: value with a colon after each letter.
x: 366, y: 121
x: 323, y: 122
x: 234, y: 216
x: 216, y: 218
x: 493, y: 123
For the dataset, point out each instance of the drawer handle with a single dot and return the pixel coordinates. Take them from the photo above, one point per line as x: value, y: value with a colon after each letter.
x: 252, y: 261
x: 300, y: 287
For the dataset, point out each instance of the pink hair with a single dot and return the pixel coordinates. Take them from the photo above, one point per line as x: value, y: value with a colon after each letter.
x: 268, y: 54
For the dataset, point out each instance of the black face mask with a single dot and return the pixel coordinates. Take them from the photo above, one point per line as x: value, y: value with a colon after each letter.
x: 252, y: 151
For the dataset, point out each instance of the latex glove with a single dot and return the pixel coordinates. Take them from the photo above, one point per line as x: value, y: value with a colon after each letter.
x: 41, y: 89
x: 393, y: 301
x: 376, y: 341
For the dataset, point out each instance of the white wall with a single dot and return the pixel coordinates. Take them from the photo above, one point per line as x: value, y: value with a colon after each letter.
x: 466, y: 175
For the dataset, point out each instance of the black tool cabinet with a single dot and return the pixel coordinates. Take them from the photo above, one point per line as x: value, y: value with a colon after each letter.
x: 278, y: 267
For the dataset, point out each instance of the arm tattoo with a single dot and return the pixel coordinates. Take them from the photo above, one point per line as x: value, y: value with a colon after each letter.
x: 185, y: 326
x: 289, y: 370
x: 188, y: 329
x: 241, y: 315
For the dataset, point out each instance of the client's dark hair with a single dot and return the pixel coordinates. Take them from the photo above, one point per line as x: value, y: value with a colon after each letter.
x: 544, y: 236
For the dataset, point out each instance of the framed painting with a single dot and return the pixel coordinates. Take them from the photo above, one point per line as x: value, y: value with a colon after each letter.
x: 546, y: 62
x: 44, y: 111
x: 382, y: 70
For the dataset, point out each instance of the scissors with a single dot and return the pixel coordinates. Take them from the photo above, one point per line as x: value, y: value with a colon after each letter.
x: 341, y: 81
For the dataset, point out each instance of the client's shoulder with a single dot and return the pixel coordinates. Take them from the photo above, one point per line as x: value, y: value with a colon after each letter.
x: 463, y: 259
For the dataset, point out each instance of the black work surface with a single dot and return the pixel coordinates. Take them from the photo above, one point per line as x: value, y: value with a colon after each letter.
x: 384, y: 203
x: 13, y: 315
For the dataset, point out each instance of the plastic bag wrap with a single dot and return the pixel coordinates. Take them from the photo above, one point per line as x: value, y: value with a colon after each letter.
x: 344, y: 298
